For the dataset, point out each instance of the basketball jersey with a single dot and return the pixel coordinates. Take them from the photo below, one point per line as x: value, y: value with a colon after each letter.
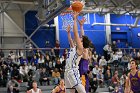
x: 135, y: 82
x: 72, y: 58
x: 60, y: 90
x: 36, y: 91
x: 72, y: 76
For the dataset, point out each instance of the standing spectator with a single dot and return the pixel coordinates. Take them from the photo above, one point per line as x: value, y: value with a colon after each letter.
x: 56, y: 76
x: 30, y: 54
x: 38, y: 54
x: 57, y: 48
x: 107, y: 50
x: 119, y: 44
x: 114, y: 46
x: 13, y: 86
x: 52, y: 54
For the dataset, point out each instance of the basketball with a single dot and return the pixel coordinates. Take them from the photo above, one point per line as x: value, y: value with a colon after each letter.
x: 77, y: 6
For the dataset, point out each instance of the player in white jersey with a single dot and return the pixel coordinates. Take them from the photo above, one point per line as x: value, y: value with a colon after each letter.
x: 72, y: 76
x: 34, y: 89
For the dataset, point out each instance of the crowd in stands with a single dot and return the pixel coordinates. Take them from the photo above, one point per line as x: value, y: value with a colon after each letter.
x: 49, y: 69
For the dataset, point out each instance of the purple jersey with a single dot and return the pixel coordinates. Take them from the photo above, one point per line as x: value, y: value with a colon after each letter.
x: 83, y: 66
x: 135, y: 83
x: 83, y: 69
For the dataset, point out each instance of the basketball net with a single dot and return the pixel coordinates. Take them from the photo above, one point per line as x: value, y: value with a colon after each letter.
x: 67, y: 19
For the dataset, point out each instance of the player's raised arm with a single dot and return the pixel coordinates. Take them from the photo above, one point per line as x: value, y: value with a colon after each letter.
x: 69, y: 37
x: 76, y: 35
x: 81, y: 22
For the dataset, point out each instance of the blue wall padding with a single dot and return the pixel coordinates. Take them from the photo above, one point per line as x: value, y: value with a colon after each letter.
x: 43, y: 34
x: 31, y: 22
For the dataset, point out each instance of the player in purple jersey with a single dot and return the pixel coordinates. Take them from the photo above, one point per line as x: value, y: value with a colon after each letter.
x: 133, y: 81
x: 83, y: 64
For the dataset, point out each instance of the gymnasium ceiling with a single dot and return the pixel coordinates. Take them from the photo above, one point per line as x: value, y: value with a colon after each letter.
x: 101, y: 6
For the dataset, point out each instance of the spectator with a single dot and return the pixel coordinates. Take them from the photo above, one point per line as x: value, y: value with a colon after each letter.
x: 41, y: 61
x: 119, y: 44
x: 44, y: 77
x: 58, y: 65
x: 100, y: 78
x: 95, y: 70
x: 34, y: 89
x: 13, y: 86
x: 119, y: 53
x: 20, y: 54
x: 107, y: 50
x: 3, y: 79
x: 108, y: 77
x: 102, y: 62
x: 65, y: 53
x: 24, y: 72
x: 52, y: 54
x: 38, y: 54
x: 133, y: 53
x: 15, y: 73
x: 32, y: 67
x: 115, y: 79
x: 95, y: 56
x: 30, y: 54
x: 56, y: 76
x: 114, y: 46
x: 57, y: 48
x: 34, y: 60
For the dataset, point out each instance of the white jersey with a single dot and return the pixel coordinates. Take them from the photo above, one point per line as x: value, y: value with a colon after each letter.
x: 36, y: 91
x: 71, y: 61
x: 72, y: 76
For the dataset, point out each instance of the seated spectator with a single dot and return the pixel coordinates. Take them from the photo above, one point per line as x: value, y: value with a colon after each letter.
x: 119, y: 53
x: 95, y: 55
x: 58, y: 65
x: 13, y: 86
x: 15, y: 73
x: 32, y: 67
x: 34, y: 60
x: 34, y: 89
x: 100, y: 78
x: 95, y: 70
x: 52, y: 54
x: 115, y: 60
x: 24, y: 72
x: 41, y: 61
x: 133, y: 53
x: 44, y: 77
x: 102, y: 62
x: 60, y: 88
x: 115, y: 79
x: 92, y: 82
x: 108, y: 77
x: 56, y: 76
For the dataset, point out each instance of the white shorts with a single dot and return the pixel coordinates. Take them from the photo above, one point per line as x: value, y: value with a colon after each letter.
x: 72, y: 78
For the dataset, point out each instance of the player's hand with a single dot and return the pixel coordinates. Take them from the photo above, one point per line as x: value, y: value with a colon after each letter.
x: 68, y: 28
x: 75, y: 15
x: 82, y: 21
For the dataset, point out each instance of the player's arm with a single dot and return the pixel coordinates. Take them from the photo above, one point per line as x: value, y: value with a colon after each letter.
x: 76, y: 35
x: 81, y: 22
x: 55, y: 90
x: 127, y: 84
x: 69, y: 37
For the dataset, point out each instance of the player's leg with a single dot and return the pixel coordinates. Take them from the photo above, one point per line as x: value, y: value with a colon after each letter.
x: 80, y: 88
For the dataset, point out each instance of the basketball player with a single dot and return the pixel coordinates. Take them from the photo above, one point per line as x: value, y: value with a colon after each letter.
x: 133, y: 80
x: 34, y: 89
x: 72, y: 76
x: 83, y: 64
x: 60, y: 88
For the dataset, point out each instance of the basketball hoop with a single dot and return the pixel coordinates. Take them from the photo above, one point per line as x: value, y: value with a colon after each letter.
x: 67, y: 18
